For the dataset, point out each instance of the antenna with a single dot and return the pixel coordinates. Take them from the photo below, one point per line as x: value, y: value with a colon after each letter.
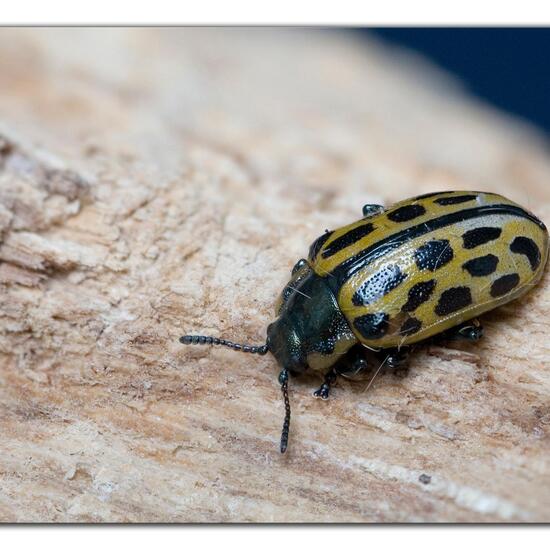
x: 192, y: 339
x: 283, y: 380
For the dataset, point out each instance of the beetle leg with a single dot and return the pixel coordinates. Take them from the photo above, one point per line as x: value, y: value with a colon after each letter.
x: 371, y: 210
x: 470, y: 330
x: 324, y: 390
x: 353, y: 363
x: 396, y: 360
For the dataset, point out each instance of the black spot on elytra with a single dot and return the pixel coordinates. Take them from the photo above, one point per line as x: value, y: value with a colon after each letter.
x: 528, y: 247
x: 372, y: 325
x: 433, y: 254
x: 318, y: 244
x: 428, y: 195
x: 453, y: 300
x: 382, y: 282
x: 347, y: 239
x: 504, y: 284
x: 418, y: 294
x: 479, y: 267
x: 410, y: 326
x: 406, y: 213
x: 457, y: 199
x: 480, y: 235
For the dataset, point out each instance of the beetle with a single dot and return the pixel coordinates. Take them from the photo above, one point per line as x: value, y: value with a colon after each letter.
x: 425, y: 268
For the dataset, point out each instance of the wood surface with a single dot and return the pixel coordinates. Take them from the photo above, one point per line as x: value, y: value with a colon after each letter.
x: 155, y: 182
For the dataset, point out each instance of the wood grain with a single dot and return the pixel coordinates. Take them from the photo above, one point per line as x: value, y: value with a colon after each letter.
x: 158, y: 182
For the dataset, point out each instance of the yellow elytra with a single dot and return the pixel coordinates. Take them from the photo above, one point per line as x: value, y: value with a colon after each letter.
x: 429, y: 263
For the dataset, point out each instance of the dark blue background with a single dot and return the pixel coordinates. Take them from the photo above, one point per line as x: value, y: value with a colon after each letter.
x: 509, y: 67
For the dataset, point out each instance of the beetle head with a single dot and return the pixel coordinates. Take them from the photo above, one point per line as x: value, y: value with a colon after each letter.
x: 285, y: 343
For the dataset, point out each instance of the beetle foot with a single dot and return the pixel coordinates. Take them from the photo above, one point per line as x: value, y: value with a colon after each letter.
x: 470, y: 332
x: 396, y: 361
x: 322, y: 392
x: 397, y: 358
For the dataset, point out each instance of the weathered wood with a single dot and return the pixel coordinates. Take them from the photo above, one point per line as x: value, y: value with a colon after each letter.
x: 157, y: 182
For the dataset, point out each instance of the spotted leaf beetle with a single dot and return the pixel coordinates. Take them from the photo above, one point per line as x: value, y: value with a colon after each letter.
x: 424, y: 268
